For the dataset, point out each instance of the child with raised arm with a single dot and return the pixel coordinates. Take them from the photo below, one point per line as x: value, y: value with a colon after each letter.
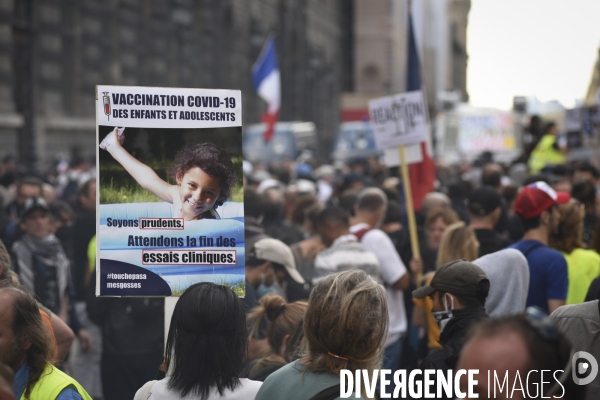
x: 204, y: 174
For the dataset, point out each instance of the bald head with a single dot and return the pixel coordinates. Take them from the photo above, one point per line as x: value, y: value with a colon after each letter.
x: 500, y: 354
x: 434, y: 200
x: 371, y: 200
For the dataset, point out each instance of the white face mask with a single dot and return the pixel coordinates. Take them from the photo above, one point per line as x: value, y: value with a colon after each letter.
x: 442, y: 317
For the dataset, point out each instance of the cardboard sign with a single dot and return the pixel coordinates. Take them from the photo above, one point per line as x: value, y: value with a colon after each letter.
x: 170, y: 204
x: 398, y: 120
x: 391, y: 157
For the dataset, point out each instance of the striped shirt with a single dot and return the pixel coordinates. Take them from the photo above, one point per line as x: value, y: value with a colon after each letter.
x: 346, y: 253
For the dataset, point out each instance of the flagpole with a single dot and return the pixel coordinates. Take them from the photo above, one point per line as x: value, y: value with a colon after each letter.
x: 412, y: 223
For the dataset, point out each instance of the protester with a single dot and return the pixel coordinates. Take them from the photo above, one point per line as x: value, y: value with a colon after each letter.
x: 274, y: 221
x: 26, y: 188
x: 41, y: 262
x: 59, y: 331
x: 585, y: 191
x: 508, y: 273
x: 345, y: 327
x: 283, y: 319
x: 253, y: 213
x: 458, y: 193
x: 132, y: 341
x: 324, y: 174
x: 583, y: 265
x: 25, y: 346
x: 587, y: 171
x: 369, y: 212
x: 343, y: 250
x: 306, y: 251
x: 257, y: 272
x: 549, y: 150
x: 436, y: 222
x: 458, y: 242
x: 205, y: 349
x: 484, y: 206
x: 277, y: 257
x: 458, y: 290
x: 297, y: 212
x: 527, y: 352
x: 536, y: 206
x: 84, y: 228
x: 6, y: 376
x: 581, y: 323
x: 44, y: 268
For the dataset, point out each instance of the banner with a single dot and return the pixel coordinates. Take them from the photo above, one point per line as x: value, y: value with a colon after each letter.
x: 492, y: 132
x: 170, y: 210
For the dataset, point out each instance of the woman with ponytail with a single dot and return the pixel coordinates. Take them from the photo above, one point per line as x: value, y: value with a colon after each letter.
x: 283, y: 320
x: 345, y: 327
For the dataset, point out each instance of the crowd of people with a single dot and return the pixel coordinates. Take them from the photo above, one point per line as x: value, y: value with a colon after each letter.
x: 507, y: 279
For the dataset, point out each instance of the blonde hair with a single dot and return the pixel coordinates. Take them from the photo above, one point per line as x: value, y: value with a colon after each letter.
x: 448, y: 215
x: 459, y: 241
x: 283, y: 318
x: 569, y: 235
x: 346, y: 323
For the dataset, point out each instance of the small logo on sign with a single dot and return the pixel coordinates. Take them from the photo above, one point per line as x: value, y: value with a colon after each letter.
x: 106, y: 101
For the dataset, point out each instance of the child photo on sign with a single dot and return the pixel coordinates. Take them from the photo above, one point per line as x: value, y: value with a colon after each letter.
x: 204, y: 174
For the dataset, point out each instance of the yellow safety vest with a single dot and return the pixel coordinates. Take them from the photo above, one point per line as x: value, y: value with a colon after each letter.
x: 545, y: 154
x: 51, y: 383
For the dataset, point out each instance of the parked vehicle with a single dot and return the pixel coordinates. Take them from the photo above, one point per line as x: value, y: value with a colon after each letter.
x: 289, y: 139
x: 355, y: 141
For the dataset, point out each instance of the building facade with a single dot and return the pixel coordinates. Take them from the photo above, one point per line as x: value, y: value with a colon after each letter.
x: 380, y: 46
x: 53, y: 54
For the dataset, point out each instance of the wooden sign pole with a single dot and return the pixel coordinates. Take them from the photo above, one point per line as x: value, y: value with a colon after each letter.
x: 410, y: 209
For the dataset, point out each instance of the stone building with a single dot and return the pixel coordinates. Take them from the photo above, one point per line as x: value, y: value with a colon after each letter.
x: 54, y: 52
x: 379, y: 48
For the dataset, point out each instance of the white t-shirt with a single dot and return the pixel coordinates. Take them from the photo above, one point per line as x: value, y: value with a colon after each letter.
x: 246, y: 391
x: 392, y: 269
x: 346, y: 253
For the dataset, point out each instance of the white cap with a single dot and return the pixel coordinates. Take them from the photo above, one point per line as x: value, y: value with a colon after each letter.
x: 276, y: 251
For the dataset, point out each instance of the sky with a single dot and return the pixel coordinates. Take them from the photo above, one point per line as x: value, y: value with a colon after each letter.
x: 542, y: 48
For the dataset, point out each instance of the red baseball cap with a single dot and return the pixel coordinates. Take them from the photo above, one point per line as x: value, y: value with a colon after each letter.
x: 537, y: 198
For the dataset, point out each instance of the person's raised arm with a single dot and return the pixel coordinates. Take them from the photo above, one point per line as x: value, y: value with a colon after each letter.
x: 143, y: 174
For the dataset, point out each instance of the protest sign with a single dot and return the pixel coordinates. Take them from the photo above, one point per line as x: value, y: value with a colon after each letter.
x: 170, y: 190
x: 398, y: 120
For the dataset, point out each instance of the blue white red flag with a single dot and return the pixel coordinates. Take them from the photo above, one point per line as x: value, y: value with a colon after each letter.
x: 422, y: 175
x: 266, y: 80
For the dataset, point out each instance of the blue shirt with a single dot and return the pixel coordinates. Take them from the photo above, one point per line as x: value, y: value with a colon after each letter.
x: 548, y: 275
x: 20, y: 383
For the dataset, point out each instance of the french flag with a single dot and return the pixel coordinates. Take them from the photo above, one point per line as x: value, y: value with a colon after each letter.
x: 265, y: 77
x: 423, y: 174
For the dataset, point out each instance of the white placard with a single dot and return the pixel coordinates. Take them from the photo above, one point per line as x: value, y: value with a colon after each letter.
x: 391, y: 157
x: 157, y: 107
x: 161, y: 226
x: 398, y: 120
